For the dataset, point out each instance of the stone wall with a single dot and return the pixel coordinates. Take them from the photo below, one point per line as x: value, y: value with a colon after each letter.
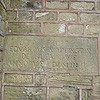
x: 51, y: 50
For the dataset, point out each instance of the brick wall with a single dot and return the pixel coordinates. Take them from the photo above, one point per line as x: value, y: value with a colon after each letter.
x: 51, y: 50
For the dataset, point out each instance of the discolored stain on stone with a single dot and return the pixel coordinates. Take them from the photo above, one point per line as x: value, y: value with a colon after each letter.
x: 51, y: 54
x: 65, y: 93
x: 18, y: 78
x: 24, y: 93
x: 46, y: 16
x: 29, y: 4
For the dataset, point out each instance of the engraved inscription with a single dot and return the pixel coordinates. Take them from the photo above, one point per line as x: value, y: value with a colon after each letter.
x: 52, y: 54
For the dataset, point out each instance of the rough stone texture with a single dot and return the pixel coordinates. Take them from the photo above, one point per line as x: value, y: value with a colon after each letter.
x: 52, y: 54
x: 63, y: 66
x: 65, y: 80
x: 0, y: 85
x: 61, y: 4
x: 90, y: 18
x: 87, y: 95
x: 51, y: 16
x: 98, y: 5
x: 18, y: 78
x: 1, y: 68
x: 54, y: 28
x: 1, y: 40
x: 25, y: 15
x: 82, y: 5
x: 0, y: 82
x: 40, y: 79
x: 3, y: 29
x: 23, y: 28
x: 93, y: 29
x: 75, y: 29
x: 97, y: 85
x: 64, y: 93
x: 11, y: 15
x: 25, y: 93
x: 30, y: 4
x: 72, y: 17
x: 2, y: 11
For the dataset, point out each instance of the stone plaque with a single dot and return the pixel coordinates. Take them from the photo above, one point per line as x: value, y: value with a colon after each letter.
x: 72, y: 55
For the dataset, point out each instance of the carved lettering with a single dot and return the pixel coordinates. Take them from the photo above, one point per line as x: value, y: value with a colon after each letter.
x: 54, y: 54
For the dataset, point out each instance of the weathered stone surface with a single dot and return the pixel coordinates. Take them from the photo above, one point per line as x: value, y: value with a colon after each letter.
x: 25, y: 15
x: 97, y: 79
x: 0, y: 82
x: 2, y: 11
x: 25, y: 93
x: 1, y: 66
x: 97, y: 85
x: 1, y: 40
x: 98, y: 5
x: 53, y: 28
x: 75, y: 29
x: 93, y: 29
x: 65, y: 93
x: 0, y: 57
x: 97, y: 88
x: 51, y: 54
x: 82, y: 5
x: 63, y: 4
x: 64, y: 80
x: 7, y: 3
x: 29, y: 4
x: 23, y: 28
x: 90, y: 18
x: 51, y: 16
x: 72, y: 17
x: 18, y: 78
x: 11, y: 15
x: 40, y: 79
x: 87, y: 95
x: 3, y: 28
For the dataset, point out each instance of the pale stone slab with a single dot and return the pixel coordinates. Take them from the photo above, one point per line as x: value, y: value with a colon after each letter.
x: 65, y: 93
x: 64, y: 80
x: 24, y: 93
x: 18, y: 78
x: 51, y: 54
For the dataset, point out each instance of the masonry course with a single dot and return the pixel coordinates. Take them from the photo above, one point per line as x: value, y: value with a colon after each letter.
x: 50, y: 50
